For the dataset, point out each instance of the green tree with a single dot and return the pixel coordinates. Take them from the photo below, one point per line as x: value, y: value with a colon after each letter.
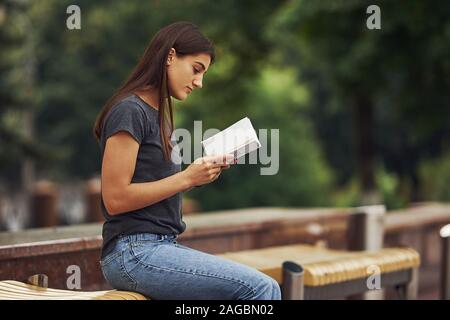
x: 390, y: 81
x: 18, y: 149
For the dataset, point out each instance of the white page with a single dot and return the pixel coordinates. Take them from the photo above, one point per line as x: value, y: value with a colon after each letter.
x: 238, y: 139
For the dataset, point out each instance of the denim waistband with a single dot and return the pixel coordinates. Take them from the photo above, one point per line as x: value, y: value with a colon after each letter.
x: 146, y: 236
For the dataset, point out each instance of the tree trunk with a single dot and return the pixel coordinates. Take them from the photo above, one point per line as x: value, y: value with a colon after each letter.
x: 363, y: 122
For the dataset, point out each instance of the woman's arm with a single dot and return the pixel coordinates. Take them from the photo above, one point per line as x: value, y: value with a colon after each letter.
x: 120, y: 195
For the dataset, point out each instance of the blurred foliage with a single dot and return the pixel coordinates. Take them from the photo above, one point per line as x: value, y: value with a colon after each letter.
x: 401, y: 71
x: 389, y: 186
x: 293, y: 65
x: 275, y: 100
x: 435, y: 177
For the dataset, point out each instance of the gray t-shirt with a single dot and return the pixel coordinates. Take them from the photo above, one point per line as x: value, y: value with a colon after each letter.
x: 139, y: 119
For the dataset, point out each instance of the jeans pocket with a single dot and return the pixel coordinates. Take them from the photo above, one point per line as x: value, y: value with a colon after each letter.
x: 142, y: 251
x: 116, y: 273
x: 109, y: 258
x: 109, y: 265
x: 105, y: 274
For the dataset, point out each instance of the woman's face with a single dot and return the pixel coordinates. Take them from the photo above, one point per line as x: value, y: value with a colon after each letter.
x: 185, y: 73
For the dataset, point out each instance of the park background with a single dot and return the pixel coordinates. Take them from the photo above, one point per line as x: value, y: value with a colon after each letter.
x: 363, y: 114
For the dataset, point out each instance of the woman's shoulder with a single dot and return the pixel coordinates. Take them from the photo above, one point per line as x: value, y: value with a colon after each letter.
x: 129, y: 104
x: 134, y: 108
x: 130, y: 115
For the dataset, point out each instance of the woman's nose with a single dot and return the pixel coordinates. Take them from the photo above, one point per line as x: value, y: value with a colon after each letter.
x: 198, y: 83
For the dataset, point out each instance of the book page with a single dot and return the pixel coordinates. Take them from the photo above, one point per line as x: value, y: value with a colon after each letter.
x: 238, y: 139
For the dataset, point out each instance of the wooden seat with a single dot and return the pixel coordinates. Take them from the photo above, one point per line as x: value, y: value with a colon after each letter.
x: 324, y: 266
x: 325, y: 270
x: 15, y: 290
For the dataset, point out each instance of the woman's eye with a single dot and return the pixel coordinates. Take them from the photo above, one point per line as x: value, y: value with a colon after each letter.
x: 196, y: 70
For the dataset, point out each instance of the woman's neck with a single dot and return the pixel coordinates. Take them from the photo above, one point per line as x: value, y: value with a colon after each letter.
x: 150, y: 96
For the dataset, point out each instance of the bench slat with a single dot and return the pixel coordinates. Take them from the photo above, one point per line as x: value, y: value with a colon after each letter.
x: 325, y: 266
x: 16, y: 290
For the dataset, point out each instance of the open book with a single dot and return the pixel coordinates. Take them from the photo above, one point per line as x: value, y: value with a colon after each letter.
x: 238, y: 139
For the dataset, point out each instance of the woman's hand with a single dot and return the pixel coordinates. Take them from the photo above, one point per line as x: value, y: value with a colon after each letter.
x: 207, y: 169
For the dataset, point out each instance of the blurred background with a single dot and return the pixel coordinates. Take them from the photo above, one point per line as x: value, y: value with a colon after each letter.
x: 364, y: 115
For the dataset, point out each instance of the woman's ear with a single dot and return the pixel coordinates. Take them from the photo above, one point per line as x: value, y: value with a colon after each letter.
x: 171, y: 56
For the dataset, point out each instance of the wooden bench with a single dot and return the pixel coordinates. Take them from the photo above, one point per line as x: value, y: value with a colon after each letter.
x: 15, y: 290
x: 305, y: 272
x: 310, y: 272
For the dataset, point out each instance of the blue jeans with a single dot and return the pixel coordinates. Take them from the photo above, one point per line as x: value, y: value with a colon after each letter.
x: 160, y: 268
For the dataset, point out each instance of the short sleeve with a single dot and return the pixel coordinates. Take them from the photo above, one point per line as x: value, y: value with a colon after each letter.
x: 126, y: 116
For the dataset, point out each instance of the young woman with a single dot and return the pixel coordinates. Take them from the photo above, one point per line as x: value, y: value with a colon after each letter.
x: 142, y: 187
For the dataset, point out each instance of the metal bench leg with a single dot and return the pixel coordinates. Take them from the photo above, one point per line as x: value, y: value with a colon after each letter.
x: 445, y: 262
x: 409, y: 291
x: 365, y: 233
x: 292, y: 287
x: 412, y: 288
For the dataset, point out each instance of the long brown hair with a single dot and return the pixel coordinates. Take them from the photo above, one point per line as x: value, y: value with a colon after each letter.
x: 185, y: 38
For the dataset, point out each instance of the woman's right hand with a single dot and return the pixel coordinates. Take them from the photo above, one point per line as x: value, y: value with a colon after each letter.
x: 207, y: 169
